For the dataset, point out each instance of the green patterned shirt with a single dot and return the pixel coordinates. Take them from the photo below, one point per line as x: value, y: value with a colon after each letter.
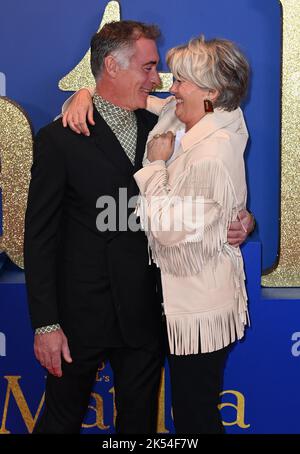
x: 122, y: 122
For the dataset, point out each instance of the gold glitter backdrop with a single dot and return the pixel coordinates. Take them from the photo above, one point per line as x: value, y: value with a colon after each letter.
x: 16, y: 158
x: 81, y: 75
x: 287, y: 273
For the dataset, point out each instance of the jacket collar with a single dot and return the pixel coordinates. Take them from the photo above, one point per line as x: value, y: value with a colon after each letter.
x: 212, y: 122
x: 106, y: 140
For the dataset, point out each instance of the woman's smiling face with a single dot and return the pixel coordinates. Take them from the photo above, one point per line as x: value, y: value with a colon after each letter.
x: 189, y: 102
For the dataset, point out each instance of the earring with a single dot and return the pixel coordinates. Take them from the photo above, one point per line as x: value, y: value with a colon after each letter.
x: 208, y: 105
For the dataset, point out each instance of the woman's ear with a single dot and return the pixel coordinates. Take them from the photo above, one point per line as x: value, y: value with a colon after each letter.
x: 213, y: 95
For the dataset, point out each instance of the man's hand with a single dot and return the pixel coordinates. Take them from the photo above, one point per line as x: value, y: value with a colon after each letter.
x: 49, y: 348
x: 240, y: 229
x: 79, y: 109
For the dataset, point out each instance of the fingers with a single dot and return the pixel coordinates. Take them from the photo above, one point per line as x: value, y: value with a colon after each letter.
x: 248, y: 221
x: 55, y: 368
x: 164, y: 135
x: 74, y: 126
x: 50, y: 361
x: 236, y: 234
x: 170, y: 135
x: 243, y: 214
x: 84, y: 129
x: 64, y: 119
x: 77, y: 121
x: 48, y: 350
x: 80, y: 123
x: 160, y: 147
x: 90, y: 115
x: 71, y: 120
x: 53, y: 363
x: 66, y: 351
x: 80, y: 109
x: 38, y: 354
x: 236, y: 238
x: 234, y: 227
x: 166, y: 139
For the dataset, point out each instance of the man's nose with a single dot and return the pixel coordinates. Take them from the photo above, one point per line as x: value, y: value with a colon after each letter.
x: 155, y: 79
x: 173, y: 89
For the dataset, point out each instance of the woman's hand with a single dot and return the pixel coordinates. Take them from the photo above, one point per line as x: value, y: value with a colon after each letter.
x: 79, y: 109
x: 161, y: 146
x: 240, y: 229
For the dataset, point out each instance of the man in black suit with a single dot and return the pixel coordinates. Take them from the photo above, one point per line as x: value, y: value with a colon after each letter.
x: 92, y: 294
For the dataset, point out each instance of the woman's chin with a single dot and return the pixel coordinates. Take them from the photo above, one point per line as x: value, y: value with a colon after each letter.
x: 178, y: 112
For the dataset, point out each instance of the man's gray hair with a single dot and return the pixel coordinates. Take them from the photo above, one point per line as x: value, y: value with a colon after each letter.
x: 117, y: 39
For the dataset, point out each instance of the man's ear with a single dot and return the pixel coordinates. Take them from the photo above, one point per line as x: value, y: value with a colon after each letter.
x: 213, y: 94
x: 111, y: 66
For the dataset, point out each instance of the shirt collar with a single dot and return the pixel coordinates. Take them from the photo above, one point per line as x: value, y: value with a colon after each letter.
x: 116, y: 113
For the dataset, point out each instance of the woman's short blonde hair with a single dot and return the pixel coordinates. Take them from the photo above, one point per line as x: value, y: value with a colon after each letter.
x: 215, y: 64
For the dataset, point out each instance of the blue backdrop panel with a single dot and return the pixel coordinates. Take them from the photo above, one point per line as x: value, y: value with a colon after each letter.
x: 261, y: 384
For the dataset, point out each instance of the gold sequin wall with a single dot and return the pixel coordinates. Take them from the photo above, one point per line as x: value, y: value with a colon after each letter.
x: 81, y: 75
x: 16, y: 157
x: 287, y: 273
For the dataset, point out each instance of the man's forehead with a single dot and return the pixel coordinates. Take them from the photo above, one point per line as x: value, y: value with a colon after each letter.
x: 146, y: 51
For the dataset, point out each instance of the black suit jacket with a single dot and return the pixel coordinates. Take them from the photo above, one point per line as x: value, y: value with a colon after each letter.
x: 98, y: 285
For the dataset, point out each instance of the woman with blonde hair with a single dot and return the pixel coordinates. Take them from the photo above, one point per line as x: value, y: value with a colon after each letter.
x: 195, y: 157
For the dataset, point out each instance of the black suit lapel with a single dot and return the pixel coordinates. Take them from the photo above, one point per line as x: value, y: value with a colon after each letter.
x: 106, y: 140
x: 142, y: 134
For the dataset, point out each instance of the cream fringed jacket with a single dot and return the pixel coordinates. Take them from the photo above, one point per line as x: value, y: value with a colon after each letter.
x: 205, y: 301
